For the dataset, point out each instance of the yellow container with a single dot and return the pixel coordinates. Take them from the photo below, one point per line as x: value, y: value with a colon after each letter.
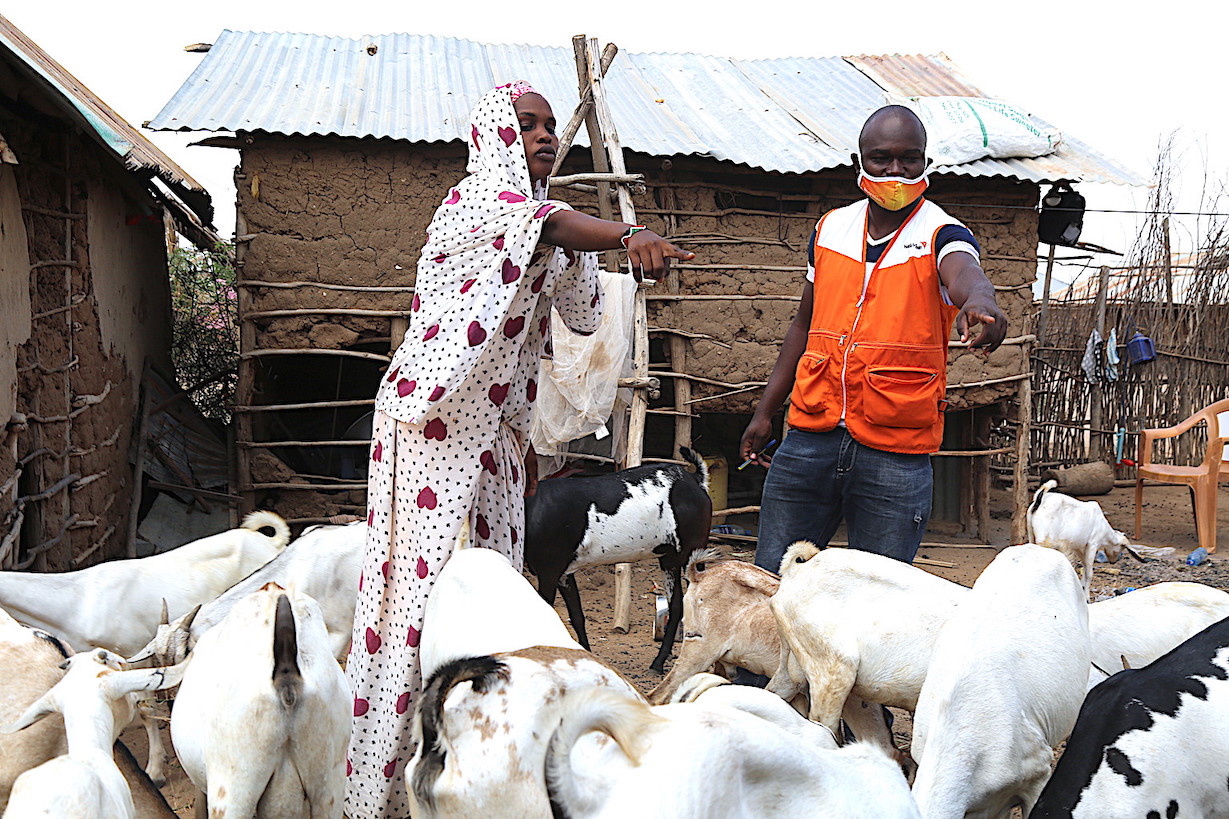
x: 718, y: 481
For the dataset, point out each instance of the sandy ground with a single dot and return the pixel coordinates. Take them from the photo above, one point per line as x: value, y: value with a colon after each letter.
x: 1168, y: 521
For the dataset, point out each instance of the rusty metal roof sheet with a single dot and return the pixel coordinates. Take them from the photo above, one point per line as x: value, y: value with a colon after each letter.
x: 135, y: 151
x: 792, y: 115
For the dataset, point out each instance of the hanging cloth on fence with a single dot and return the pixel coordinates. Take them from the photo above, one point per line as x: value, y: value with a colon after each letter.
x: 1089, y: 362
x: 1111, y: 356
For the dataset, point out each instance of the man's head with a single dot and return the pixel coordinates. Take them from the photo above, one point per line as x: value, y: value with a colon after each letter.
x: 892, y: 143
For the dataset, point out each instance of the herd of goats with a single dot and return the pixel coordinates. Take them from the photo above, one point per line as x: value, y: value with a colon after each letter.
x: 518, y: 719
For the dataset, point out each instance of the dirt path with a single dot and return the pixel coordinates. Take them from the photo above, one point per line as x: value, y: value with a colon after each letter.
x: 1167, y: 522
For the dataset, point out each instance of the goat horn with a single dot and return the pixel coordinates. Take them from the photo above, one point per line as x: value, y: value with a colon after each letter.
x: 166, y: 620
x: 1126, y: 666
x: 187, y: 623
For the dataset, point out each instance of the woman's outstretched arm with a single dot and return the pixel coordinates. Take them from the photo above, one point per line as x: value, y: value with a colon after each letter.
x: 579, y: 231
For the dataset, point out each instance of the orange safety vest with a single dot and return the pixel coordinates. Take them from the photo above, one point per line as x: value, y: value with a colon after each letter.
x: 877, y: 349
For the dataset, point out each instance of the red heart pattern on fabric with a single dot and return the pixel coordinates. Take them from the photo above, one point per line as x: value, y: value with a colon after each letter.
x: 431, y: 333
x: 426, y: 498
x: 508, y: 135
x: 349, y: 767
x: 405, y: 386
x: 475, y: 334
x: 487, y: 459
x: 415, y: 303
x: 498, y: 392
x: 543, y: 323
x: 513, y: 326
x: 543, y: 211
x: 538, y: 282
x: 482, y: 527
x: 377, y: 454
x: 413, y: 637
x: 473, y: 134
x: 531, y: 390
x: 393, y: 375
x: 570, y: 256
x: 361, y: 706
x: 403, y: 702
x: 516, y: 476
x: 511, y: 198
x: 435, y: 430
x: 436, y: 394
x: 440, y: 259
x: 371, y: 517
x: 465, y: 287
x: 452, y: 199
x: 384, y: 569
x: 373, y: 641
x: 360, y: 582
x: 596, y: 298
x: 498, y: 244
x: 535, y: 258
x: 421, y: 569
x: 390, y: 769
x: 515, y: 536
x: 510, y: 272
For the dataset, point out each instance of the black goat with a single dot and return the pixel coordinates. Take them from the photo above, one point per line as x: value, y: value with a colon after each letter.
x: 659, y: 510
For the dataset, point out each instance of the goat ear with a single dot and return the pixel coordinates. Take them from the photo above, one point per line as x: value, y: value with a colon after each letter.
x: 1133, y: 553
x: 187, y: 623
x: 1126, y: 666
x: 121, y: 683
x: 165, y: 619
x: 41, y: 707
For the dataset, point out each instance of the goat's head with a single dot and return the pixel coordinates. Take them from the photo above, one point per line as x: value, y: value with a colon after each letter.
x: 172, y: 642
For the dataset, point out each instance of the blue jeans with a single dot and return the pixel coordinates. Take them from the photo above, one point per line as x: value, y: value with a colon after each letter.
x: 818, y: 478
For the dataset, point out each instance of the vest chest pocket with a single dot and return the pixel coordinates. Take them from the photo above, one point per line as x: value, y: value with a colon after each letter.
x: 897, y: 396
x: 809, y: 392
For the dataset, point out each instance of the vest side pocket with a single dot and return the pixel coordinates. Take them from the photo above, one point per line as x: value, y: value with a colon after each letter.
x: 902, y: 396
x: 809, y: 393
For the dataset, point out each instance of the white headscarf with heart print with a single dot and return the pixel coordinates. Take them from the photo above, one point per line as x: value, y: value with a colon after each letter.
x: 480, y: 244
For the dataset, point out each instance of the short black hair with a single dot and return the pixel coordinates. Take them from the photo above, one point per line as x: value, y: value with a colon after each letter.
x: 895, y: 112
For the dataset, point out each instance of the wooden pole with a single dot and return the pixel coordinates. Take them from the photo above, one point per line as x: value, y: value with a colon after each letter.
x: 1167, y: 264
x: 597, y: 148
x: 245, y: 388
x: 1097, y: 390
x: 1045, y: 297
x: 138, y: 462
x: 1019, y: 528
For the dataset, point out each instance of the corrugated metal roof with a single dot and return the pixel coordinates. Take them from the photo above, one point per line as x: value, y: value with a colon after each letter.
x: 134, y: 150
x: 793, y: 115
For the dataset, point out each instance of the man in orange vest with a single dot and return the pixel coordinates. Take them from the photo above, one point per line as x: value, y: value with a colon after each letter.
x: 864, y: 364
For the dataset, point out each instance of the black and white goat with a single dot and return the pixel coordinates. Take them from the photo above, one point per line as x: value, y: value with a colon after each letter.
x: 658, y: 510
x: 1150, y: 741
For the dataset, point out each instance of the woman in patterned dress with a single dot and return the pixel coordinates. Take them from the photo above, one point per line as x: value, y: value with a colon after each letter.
x: 450, y: 439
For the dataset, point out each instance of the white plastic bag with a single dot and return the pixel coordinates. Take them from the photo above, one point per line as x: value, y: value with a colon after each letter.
x: 964, y: 129
x: 576, y: 389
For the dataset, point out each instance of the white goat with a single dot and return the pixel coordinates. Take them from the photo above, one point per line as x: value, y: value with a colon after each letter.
x: 856, y: 623
x: 324, y: 563
x: 614, y: 756
x: 726, y: 621
x: 1004, y: 687
x: 483, y: 726
x: 115, y: 605
x: 96, y: 698
x: 1147, y: 623
x: 262, y: 717
x: 1075, y: 528
x: 718, y: 692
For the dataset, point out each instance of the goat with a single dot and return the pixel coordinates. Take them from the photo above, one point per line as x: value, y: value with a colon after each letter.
x: 1075, y: 528
x: 726, y: 621
x: 1004, y: 685
x: 1151, y: 741
x: 483, y: 725
x: 714, y: 691
x: 659, y: 510
x: 262, y: 717
x: 96, y: 698
x: 147, y: 801
x: 115, y: 605
x: 455, y: 628
x: 1147, y: 623
x: 856, y: 625
x: 615, y: 756
x: 324, y: 563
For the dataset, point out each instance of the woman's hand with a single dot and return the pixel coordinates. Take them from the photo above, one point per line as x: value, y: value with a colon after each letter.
x: 531, y: 472
x: 650, y: 254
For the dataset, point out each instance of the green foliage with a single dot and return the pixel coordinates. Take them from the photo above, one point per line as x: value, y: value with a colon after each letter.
x: 205, y: 349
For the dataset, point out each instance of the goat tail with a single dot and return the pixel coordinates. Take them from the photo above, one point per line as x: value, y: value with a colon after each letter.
x: 255, y: 521
x: 692, y: 457
x: 697, y: 684
x: 287, y: 678
x: 799, y: 552
x: 429, y: 719
x: 1038, y: 496
x: 619, y: 716
x: 701, y: 559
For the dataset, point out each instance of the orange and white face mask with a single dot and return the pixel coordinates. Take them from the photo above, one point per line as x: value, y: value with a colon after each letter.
x: 892, y: 192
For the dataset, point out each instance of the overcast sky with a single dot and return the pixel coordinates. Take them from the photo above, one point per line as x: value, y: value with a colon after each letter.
x: 1118, y: 78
